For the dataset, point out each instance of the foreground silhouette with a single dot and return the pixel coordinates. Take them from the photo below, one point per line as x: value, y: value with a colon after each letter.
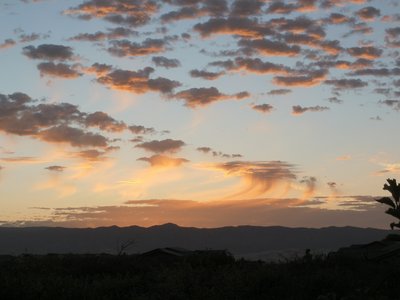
x: 202, y: 275
x: 394, y: 202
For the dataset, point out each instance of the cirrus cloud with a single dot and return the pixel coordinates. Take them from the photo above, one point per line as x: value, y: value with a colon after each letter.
x: 260, y: 176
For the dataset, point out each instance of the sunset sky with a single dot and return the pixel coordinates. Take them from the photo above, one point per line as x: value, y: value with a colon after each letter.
x: 198, y: 112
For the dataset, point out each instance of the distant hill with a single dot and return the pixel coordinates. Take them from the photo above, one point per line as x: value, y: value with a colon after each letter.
x: 245, y: 241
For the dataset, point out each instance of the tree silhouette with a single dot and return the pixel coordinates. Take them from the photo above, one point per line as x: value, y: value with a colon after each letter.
x: 394, y: 210
x: 121, y: 247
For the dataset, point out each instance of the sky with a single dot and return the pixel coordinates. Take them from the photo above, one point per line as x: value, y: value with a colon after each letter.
x: 202, y: 113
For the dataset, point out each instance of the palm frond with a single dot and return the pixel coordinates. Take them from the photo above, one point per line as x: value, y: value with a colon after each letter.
x: 387, y: 200
x: 393, y: 212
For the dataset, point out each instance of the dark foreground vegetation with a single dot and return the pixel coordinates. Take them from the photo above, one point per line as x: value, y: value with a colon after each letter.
x: 197, y: 276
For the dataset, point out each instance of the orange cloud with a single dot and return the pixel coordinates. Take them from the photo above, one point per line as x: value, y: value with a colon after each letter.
x: 132, y: 13
x: 344, y: 157
x: 368, y: 13
x: 256, y: 65
x: 97, y: 69
x: 330, y: 3
x: 337, y: 18
x: 365, y: 52
x: 21, y: 159
x: 389, y: 169
x: 269, y: 48
x: 311, y: 79
x: 8, y: 43
x: 310, y: 186
x: 259, y: 177
x: 126, y: 48
x: 137, y: 81
x: 244, y: 27
x: 278, y: 7
x: 353, y: 210
x: 63, y: 190
x: 163, y: 161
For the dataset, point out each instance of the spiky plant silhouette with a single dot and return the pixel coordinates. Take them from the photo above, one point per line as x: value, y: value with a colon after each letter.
x: 394, y: 210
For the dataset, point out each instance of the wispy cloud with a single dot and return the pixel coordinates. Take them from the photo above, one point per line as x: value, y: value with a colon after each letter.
x: 395, y: 104
x: 114, y: 33
x: 259, y: 177
x: 298, y: 110
x: 55, y: 168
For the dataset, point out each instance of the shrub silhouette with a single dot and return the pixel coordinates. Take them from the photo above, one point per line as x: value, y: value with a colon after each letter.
x: 394, y: 210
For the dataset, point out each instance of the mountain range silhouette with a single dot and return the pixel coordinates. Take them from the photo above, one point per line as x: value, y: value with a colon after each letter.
x: 242, y: 241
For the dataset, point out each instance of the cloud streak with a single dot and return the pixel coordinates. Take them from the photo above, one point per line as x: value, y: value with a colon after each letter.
x: 259, y: 177
x: 299, y: 110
